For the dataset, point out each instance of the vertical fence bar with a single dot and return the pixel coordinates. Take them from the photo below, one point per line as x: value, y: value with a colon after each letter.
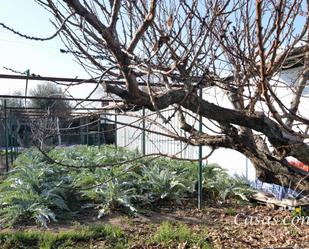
x: 99, y: 131
x: 247, y: 173
x: 200, y: 166
x: 6, y: 137
x: 58, y: 131
x: 26, y: 137
x: 116, y: 130
x: 143, y: 133
x: 81, y: 131
x: 26, y: 89
x: 87, y: 130
x: 15, y: 138
x: 11, y: 137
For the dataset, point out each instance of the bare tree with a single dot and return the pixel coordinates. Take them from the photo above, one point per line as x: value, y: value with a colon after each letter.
x: 43, y: 131
x: 175, y: 48
x: 48, y: 125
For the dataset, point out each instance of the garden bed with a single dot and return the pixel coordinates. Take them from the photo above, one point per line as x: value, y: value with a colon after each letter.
x: 216, y: 226
x: 90, y: 197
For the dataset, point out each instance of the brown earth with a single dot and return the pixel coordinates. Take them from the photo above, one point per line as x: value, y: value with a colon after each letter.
x: 228, y: 226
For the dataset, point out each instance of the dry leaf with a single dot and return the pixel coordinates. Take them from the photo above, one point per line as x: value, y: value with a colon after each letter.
x: 182, y: 245
x: 155, y: 47
x: 170, y: 22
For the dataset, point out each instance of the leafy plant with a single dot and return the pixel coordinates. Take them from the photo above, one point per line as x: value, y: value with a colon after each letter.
x: 34, y: 191
x: 238, y: 187
x: 163, y: 182
x: 29, y: 156
x: 221, y: 185
x: 113, y: 195
x: 144, y: 182
x: 40, y: 190
x: 88, y: 156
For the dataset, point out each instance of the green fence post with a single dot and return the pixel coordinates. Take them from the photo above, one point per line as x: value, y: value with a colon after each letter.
x: 26, y: 137
x: 200, y: 166
x: 81, y: 131
x: 6, y: 137
x: 11, y: 137
x: 15, y: 138
x: 27, y: 72
x: 116, y: 129
x: 99, y: 131
x: 143, y: 132
x: 87, y: 130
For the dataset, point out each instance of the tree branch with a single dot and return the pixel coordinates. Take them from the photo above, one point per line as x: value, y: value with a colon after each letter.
x: 143, y: 27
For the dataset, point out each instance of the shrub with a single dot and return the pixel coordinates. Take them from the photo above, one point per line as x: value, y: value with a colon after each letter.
x: 40, y: 190
x: 113, y: 195
x: 163, y: 180
x: 87, y: 156
x: 221, y: 185
x: 33, y: 191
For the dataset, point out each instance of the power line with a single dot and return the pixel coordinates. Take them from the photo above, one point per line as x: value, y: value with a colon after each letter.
x: 57, y: 98
x: 38, y: 108
x: 44, y: 78
x: 76, y: 80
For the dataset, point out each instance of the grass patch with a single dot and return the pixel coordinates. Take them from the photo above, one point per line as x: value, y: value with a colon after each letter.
x: 113, y: 236
x: 230, y: 211
x: 168, y: 234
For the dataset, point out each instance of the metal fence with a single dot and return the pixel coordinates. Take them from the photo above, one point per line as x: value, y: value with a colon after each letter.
x: 21, y: 129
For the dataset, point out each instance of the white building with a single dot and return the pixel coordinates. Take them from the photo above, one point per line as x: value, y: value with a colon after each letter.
x: 233, y: 161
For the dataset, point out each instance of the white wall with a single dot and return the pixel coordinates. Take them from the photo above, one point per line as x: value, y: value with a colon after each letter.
x: 235, y: 162
x: 131, y: 138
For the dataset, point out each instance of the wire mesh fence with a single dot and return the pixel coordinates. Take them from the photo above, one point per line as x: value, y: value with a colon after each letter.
x: 21, y: 127
x: 24, y: 127
x: 20, y: 130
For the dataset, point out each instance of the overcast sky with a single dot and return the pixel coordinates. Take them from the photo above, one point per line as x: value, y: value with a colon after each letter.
x: 42, y: 58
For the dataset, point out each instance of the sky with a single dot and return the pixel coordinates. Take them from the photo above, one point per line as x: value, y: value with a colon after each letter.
x: 42, y: 58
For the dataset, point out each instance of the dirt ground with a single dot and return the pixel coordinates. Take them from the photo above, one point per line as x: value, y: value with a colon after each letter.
x: 228, y: 225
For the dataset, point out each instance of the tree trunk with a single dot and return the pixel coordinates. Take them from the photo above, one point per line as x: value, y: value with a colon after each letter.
x: 277, y: 172
x: 270, y: 169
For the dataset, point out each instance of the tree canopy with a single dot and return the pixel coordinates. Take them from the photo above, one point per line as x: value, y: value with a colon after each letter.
x: 174, y: 48
x: 55, y: 107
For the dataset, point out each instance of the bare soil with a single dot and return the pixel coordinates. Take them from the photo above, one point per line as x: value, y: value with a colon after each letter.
x: 228, y: 225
